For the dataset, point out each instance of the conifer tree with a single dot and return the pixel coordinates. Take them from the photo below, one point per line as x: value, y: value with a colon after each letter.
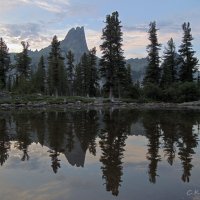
x: 169, y: 65
x: 40, y: 76
x: 85, y: 73
x: 189, y: 61
x: 93, y: 73
x: 112, y: 62
x: 23, y: 62
x: 129, y: 81
x: 70, y: 71
x: 129, y: 76
x: 56, y: 71
x: 78, y: 82
x: 4, y: 63
x: 153, y: 71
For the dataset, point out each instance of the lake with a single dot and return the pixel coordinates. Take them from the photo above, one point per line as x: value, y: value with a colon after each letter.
x: 99, y: 154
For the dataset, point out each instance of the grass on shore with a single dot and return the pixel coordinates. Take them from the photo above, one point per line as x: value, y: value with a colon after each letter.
x: 35, y: 98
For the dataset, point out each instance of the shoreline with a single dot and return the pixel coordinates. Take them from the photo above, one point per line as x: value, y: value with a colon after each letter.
x: 117, y: 105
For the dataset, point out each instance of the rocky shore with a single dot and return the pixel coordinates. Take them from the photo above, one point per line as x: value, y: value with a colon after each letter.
x: 9, y: 102
x: 79, y: 105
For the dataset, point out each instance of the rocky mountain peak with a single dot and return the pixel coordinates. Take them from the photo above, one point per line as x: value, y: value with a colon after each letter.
x: 75, y: 41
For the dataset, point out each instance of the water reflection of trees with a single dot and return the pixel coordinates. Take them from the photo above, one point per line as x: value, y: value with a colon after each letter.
x: 56, y: 126
x: 63, y: 132
x: 153, y: 133
x: 4, y: 141
x: 112, y: 144
x: 187, y: 143
x: 176, y: 131
x: 23, y: 131
x: 169, y: 127
x: 86, y: 127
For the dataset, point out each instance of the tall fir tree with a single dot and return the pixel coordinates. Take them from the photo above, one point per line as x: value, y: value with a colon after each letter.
x: 129, y: 81
x: 188, y: 60
x: 129, y: 75
x: 169, y: 66
x: 93, y: 72
x: 56, y: 71
x: 112, y: 61
x: 70, y: 71
x: 152, y: 75
x: 78, y: 82
x: 40, y: 77
x: 4, y: 63
x: 85, y: 73
x: 23, y: 62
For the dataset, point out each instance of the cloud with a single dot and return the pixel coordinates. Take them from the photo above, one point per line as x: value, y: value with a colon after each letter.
x: 6, y: 5
x: 166, y: 25
x: 55, y: 6
x: 93, y: 38
x: 21, y: 30
x: 58, y: 7
x: 141, y: 27
x: 34, y: 33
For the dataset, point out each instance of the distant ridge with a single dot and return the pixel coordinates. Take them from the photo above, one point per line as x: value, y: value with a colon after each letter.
x: 138, y: 68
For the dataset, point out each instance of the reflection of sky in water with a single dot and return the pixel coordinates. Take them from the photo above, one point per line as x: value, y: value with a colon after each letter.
x: 34, y: 179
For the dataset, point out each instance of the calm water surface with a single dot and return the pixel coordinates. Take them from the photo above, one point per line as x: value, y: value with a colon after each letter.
x: 99, y: 155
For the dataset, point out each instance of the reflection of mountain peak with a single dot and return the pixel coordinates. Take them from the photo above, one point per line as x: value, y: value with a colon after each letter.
x: 77, y: 156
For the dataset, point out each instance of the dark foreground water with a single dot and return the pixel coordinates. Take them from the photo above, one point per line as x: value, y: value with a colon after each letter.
x: 99, y: 155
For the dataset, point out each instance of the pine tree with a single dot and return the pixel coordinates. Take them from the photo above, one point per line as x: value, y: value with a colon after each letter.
x: 85, y: 73
x: 129, y: 81
x: 189, y: 62
x: 112, y: 62
x: 93, y: 73
x: 23, y: 62
x: 78, y: 82
x: 70, y: 71
x: 169, y: 65
x: 56, y: 71
x: 153, y: 71
x: 4, y: 63
x: 40, y: 76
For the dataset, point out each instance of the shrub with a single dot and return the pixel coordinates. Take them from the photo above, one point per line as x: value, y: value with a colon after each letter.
x: 133, y: 92
x: 153, y: 92
x: 181, y: 92
x: 188, y: 91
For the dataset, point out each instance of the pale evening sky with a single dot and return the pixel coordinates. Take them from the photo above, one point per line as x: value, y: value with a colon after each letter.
x: 37, y: 21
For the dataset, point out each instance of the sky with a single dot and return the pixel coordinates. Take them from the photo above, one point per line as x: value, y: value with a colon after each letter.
x: 37, y: 21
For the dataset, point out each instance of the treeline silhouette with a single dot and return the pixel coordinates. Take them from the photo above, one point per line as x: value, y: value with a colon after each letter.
x: 61, y: 132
